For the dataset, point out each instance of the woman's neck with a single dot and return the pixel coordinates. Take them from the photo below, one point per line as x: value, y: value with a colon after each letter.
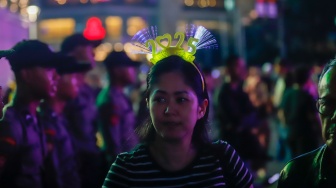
x: 173, y: 156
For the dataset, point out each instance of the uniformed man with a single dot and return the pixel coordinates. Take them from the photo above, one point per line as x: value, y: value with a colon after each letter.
x: 22, y: 142
x: 61, y: 162
x: 116, y: 115
x: 81, y: 114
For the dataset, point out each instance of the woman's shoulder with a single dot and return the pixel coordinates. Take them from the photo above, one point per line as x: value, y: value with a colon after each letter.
x: 220, y: 142
x: 220, y: 145
x: 138, y: 152
x: 222, y: 149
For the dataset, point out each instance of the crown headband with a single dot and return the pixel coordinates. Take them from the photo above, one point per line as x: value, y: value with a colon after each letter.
x: 148, y: 42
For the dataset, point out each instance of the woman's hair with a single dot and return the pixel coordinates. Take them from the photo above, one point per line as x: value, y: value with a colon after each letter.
x: 193, y: 78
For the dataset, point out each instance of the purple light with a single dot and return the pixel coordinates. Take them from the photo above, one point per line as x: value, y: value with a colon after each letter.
x: 268, y: 10
x: 260, y: 8
x: 272, y: 10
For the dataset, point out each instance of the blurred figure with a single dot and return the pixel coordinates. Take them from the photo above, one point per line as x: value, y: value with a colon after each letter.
x: 316, y: 169
x: 233, y: 102
x: 283, y: 80
x: 298, y: 113
x: 3, y: 53
x: 61, y: 161
x: 116, y: 115
x: 211, y: 85
x: 22, y: 142
x: 255, y: 127
x: 81, y: 114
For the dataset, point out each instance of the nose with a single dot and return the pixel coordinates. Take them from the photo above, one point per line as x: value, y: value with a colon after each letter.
x: 170, y: 109
x: 333, y: 117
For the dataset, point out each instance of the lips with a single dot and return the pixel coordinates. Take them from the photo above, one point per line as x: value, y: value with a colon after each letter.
x: 331, y: 131
x: 171, y: 123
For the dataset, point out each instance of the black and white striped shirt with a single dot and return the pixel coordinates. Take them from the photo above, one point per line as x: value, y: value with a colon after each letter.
x: 138, y: 169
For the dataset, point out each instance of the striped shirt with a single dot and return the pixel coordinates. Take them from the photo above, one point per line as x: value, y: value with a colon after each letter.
x: 138, y: 169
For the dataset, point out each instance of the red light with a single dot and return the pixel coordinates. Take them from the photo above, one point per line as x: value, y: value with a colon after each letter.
x: 94, y: 29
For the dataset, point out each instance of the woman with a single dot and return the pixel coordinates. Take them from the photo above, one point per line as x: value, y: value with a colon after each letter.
x: 176, y: 151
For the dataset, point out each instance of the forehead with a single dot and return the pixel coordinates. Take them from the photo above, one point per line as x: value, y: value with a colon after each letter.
x: 171, y: 81
x: 327, y: 85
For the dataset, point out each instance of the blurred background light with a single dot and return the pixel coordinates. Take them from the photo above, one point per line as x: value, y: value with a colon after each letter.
x: 229, y: 4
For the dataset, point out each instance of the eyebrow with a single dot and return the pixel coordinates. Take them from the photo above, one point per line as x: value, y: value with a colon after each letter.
x: 175, y: 93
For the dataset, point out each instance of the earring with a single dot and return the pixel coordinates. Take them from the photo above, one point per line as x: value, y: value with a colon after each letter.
x: 166, y: 110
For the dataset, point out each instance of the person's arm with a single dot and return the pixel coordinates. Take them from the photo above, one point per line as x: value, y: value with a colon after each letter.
x: 118, y: 175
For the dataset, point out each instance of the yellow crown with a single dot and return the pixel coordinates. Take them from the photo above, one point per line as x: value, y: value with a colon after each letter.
x: 168, y: 50
x: 149, y: 43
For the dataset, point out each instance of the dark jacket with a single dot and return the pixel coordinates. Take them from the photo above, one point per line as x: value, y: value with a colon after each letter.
x: 22, y: 149
x: 313, y: 170
x: 60, y: 163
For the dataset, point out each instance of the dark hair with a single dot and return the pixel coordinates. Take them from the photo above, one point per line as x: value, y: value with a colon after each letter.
x: 331, y: 64
x: 231, y: 60
x: 301, y: 74
x: 74, y: 40
x: 192, y: 78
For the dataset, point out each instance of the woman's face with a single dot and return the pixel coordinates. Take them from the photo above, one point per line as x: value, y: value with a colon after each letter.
x: 174, y: 107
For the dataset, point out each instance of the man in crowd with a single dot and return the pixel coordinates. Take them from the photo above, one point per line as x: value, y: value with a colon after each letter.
x: 81, y: 114
x: 22, y: 141
x: 116, y: 115
x: 317, y: 169
x: 61, y: 161
x: 233, y: 102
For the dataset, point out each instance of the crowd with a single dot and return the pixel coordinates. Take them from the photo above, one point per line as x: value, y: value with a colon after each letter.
x: 186, y: 127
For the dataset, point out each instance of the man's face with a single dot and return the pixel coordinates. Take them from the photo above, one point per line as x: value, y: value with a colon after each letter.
x: 42, y: 81
x: 327, y: 107
x: 238, y: 71
x: 84, y: 54
x: 67, y: 87
x: 125, y: 75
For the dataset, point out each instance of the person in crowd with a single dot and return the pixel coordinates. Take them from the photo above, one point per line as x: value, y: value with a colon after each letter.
x: 299, y: 115
x: 117, y: 119
x: 22, y: 141
x: 61, y: 161
x: 233, y: 102
x: 211, y: 86
x: 317, y: 168
x: 283, y: 80
x: 81, y: 113
x: 176, y: 150
x: 255, y: 127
